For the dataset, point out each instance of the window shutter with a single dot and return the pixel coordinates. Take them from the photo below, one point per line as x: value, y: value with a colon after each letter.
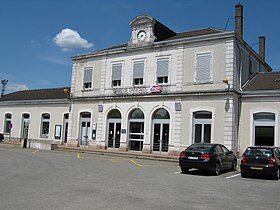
x: 88, y: 75
x: 116, y: 72
x: 138, y: 69
x: 203, y: 67
x: 162, y: 67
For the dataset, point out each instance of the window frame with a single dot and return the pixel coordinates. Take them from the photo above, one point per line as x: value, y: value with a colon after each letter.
x: 88, y: 83
x: 163, y: 79
x: 138, y: 81
x: 43, y: 123
x: 201, y: 54
x: 116, y: 82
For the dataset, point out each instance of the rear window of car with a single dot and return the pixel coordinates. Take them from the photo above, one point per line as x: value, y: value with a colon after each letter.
x: 258, y: 151
x: 201, y: 148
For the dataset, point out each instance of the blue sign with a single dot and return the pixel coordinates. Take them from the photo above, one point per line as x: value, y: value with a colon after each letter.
x: 123, y: 131
x: 10, y: 125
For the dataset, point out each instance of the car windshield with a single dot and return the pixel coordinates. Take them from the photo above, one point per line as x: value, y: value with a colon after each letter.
x: 201, y: 148
x: 258, y: 151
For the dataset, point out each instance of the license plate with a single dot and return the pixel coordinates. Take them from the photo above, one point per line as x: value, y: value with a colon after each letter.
x: 193, y: 158
x: 257, y: 168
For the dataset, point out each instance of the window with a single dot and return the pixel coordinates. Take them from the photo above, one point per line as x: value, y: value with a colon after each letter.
x: 264, y: 128
x: 88, y: 77
x: 203, y: 67
x: 8, y: 121
x: 162, y: 70
x: 202, y: 127
x: 138, y: 71
x: 45, y: 125
x: 116, y: 75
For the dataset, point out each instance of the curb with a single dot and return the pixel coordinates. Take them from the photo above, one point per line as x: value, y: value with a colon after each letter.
x: 119, y: 154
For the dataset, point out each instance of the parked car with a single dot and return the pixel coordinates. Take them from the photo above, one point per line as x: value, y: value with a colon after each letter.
x: 209, y: 157
x: 261, y: 160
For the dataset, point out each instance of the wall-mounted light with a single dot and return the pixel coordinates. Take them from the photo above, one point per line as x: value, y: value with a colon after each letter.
x: 225, y: 80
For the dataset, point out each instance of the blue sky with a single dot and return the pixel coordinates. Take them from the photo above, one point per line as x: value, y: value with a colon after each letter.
x: 35, y: 52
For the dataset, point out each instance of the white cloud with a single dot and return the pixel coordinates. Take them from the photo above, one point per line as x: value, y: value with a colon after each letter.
x: 12, y: 87
x: 68, y: 39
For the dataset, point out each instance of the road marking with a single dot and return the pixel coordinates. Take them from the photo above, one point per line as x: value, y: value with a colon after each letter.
x: 78, y: 155
x: 229, y: 177
x: 135, y: 163
x: 35, y: 151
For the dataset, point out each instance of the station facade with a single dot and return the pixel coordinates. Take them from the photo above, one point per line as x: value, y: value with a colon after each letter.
x: 162, y: 91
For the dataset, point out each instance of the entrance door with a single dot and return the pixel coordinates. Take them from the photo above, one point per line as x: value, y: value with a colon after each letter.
x: 114, y: 135
x: 85, y: 133
x: 161, y: 137
x: 25, y: 132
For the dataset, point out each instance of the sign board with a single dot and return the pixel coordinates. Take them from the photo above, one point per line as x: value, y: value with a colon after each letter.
x: 10, y: 125
x: 155, y: 89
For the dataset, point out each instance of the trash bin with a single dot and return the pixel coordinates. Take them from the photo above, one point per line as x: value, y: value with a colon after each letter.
x: 1, y: 137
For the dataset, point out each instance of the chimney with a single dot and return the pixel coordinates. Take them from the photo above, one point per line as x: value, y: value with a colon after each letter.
x: 239, y: 19
x: 262, y: 47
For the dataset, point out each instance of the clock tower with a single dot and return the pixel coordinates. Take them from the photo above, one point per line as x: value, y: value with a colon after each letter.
x: 147, y: 30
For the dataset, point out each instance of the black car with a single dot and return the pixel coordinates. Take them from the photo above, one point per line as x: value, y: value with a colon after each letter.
x: 261, y: 160
x: 209, y: 157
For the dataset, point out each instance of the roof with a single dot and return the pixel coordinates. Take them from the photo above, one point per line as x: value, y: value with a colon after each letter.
x: 193, y: 33
x: 180, y: 35
x: 38, y: 94
x: 264, y: 81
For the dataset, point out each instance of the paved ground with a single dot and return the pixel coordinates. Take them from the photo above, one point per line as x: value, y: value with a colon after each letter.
x: 32, y: 179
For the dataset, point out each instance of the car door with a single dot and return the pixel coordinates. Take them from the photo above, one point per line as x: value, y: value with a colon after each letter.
x: 222, y: 157
x: 228, y: 157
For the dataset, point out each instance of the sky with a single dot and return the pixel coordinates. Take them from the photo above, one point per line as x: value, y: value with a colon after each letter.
x: 39, y: 37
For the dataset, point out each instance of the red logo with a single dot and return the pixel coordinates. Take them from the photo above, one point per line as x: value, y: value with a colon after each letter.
x: 155, y: 89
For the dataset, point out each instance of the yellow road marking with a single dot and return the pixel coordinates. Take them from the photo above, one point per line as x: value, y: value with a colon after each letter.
x: 78, y: 155
x: 35, y: 151
x: 135, y: 163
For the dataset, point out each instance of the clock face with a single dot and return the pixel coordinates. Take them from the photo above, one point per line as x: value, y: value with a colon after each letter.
x: 141, y: 36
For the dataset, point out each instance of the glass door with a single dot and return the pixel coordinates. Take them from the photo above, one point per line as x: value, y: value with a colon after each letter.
x: 85, y: 133
x: 114, y: 135
x: 161, y: 137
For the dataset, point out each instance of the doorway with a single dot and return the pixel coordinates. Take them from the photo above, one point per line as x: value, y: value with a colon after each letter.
x: 25, y: 129
x: 85, y: 128
x: 65, y: 128
x: 114, y: 129
x: 161, y: 120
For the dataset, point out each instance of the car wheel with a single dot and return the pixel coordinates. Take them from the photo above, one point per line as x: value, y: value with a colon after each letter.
x: 234, y: 165
x: 217, y: 169
x: 185, y: 170
x: 244, y: 175
x: 277, y: 175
